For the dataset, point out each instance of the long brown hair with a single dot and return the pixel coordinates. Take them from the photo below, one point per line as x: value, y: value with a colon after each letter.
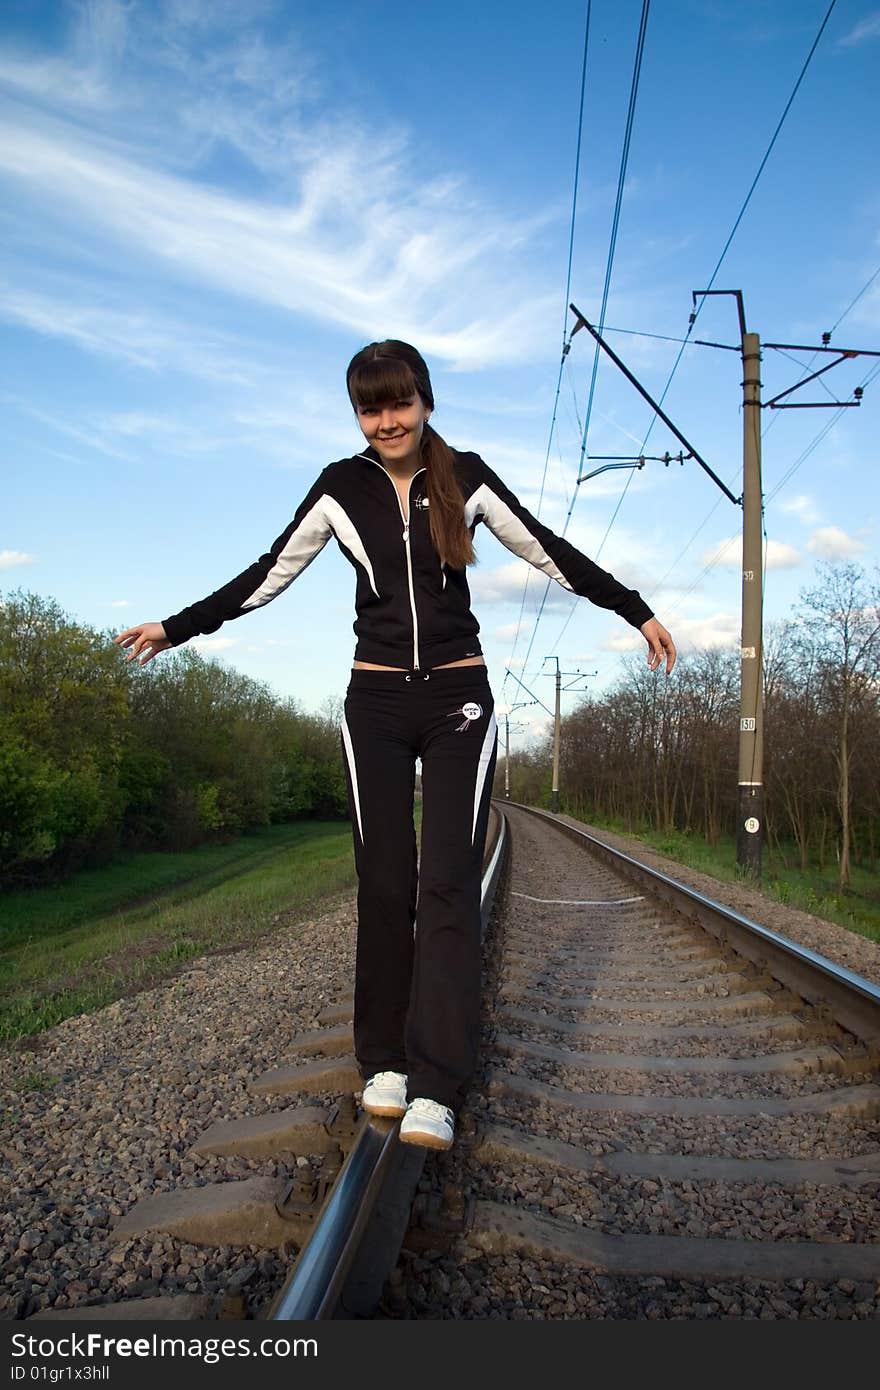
x: 393, y: 371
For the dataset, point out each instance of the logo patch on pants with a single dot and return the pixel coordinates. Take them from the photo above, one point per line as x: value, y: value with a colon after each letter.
x: 471, y: 711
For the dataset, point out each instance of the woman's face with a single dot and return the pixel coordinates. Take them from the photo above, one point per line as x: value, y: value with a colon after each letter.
x: 395, y: 429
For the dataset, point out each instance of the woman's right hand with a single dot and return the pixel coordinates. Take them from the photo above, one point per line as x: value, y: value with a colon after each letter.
x: 146, y: 637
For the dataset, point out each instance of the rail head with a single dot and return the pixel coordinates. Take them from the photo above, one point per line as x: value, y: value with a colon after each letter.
x: 853, y: 1000
x: 315, y: 1284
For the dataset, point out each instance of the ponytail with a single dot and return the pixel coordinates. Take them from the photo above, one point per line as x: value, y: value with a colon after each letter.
x: 451, y: 537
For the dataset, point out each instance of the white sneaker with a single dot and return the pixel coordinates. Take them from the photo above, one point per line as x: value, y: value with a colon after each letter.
x: 385, y: 1094
x: 428, y: 1123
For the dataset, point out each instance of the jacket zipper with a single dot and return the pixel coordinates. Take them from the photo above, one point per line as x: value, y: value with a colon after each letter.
x: 409, y: 569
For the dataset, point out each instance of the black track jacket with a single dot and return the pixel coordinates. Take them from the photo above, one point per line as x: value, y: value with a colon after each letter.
x: 410, y: 612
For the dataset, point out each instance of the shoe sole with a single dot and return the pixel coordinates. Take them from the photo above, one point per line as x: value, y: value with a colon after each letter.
x: 390, y: 1112
x: 425, y: 1141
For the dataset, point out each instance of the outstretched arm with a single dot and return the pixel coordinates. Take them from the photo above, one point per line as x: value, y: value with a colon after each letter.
x: 256, y: 586
x: 526, y: 536
x: 266, y: 578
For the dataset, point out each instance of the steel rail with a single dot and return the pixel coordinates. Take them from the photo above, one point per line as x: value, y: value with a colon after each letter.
x: 852, y: 1001
x: 315, y: 1285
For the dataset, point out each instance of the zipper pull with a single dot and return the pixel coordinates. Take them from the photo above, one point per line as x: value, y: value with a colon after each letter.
x: 406, y: 532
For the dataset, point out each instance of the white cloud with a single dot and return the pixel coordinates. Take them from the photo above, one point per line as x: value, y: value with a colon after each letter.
x: 803, y: 507
x: 508, y: 631
x: 505, y: 585
x: 727, y: 554
x: 120, y: 603
x: 10, y: 559
x: 780, y: 556
x: 213, y: 644
x: 715, y: 630
x: 867, y: 28
x: 624, y: 640
x: 830, y: 543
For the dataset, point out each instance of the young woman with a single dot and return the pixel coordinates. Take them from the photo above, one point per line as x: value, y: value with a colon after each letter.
x: 404, y: 512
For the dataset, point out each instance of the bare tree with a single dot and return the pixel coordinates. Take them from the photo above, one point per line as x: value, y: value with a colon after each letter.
x: 842, y: 626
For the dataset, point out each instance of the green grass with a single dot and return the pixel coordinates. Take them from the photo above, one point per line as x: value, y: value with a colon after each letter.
x: 858, y: 909
x: 77, y: 946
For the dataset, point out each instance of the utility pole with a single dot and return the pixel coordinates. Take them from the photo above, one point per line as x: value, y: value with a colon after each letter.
x: 554, y: 800
x: 533, y: 701
x: 507, y: 757
x: 579, y: 675
x: 750, y: 806
x: 750, y: 788
x: 506, y: 716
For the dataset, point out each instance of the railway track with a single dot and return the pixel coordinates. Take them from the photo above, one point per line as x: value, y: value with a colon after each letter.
x: 677, y: 1116
x: 316, y: 1184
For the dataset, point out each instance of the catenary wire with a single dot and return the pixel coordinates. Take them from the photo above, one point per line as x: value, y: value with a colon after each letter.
x: 624, y: 160
x: 698, y: 307
x: 577, y: 165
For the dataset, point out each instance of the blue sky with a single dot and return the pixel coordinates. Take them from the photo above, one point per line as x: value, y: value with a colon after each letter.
x: 208, y: 207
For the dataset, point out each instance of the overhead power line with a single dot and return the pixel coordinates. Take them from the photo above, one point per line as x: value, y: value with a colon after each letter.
x: 697, y: 308
x: 621, y: 180
x: 769, y: 148
x: 574, y: 193
x: 615, y: 224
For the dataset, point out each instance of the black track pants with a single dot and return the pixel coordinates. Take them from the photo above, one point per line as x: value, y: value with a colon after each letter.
x: 417, y: 992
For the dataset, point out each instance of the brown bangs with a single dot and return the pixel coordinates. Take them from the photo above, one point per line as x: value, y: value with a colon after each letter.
x: 381, y: 382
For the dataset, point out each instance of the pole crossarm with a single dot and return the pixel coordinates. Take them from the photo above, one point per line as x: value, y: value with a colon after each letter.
x: 811, y: 347
x: 535, y: 699
x: 843, y: 355
x: 582, y: 322
x: 578, y: 675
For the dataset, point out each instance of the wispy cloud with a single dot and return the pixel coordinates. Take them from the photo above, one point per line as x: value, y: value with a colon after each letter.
x: 831, y: 543
x: 867, y: 28
x: 136, y: 336
x: 355, y: 235
x: 85, y: 433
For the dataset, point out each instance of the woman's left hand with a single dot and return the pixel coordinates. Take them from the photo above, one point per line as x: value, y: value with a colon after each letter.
x: 660, y: 645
